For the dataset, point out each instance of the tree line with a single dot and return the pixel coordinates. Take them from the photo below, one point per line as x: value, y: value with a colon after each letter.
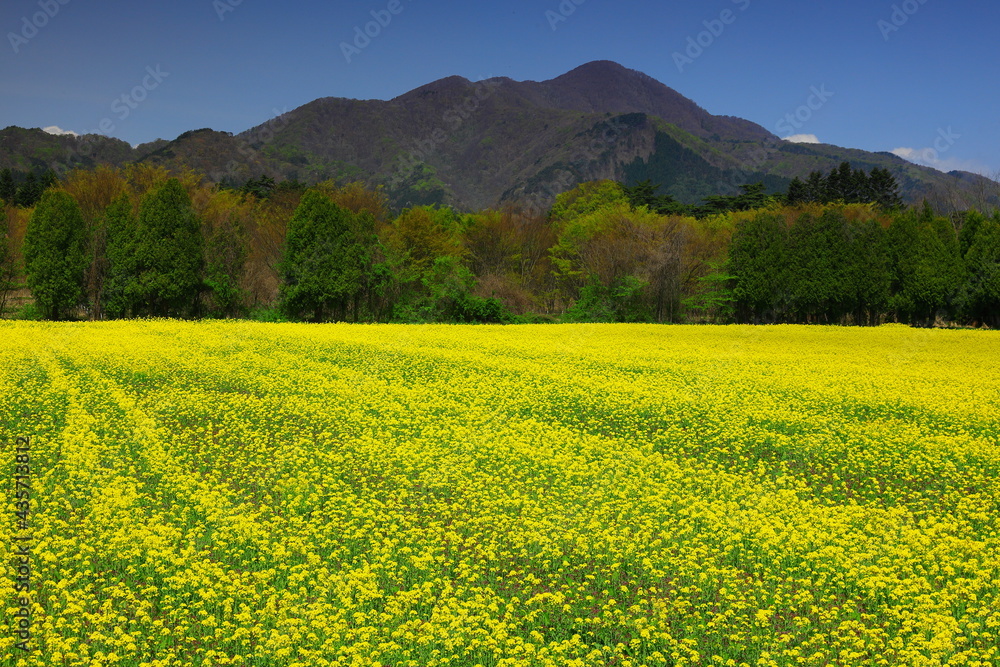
x: 828, y: 266
x: 142, y: 242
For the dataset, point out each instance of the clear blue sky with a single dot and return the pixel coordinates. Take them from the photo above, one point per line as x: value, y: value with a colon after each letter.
x: 925, y: 78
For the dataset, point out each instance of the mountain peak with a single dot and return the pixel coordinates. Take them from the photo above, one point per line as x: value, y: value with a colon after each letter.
x: 445, y: 86
x: 602, y: 68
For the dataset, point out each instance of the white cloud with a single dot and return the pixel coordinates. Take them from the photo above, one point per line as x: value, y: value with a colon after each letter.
x: 803, y: 139
x: 929, y: 157
x: 54, y: 129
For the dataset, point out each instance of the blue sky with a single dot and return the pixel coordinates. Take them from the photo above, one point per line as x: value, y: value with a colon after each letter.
x: 916, y: 76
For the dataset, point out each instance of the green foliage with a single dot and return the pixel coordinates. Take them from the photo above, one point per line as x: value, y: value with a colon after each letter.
x: 327, y: 253
x: 714, y: 300
x: 621, y: 301
x: 980, y: 297
x: 584, y: 199
x: 442, y: 293
x: 226, y: 251
x: 849, y: 186
x: 816, y: 262
x: 757, y: 261
x: 121, y: 286
x: 267, y: 314
x: 54, y: 254
x: 7, y: 187
x: 644, y: 194
x: 261, y: 187
x: 751, y: 197
x: 927, y: 268
x: 31, y: 312
x: 168, y: 253
x: 868, y: 272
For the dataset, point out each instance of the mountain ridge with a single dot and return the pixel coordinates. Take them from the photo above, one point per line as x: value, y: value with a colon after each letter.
x: 476, y: 144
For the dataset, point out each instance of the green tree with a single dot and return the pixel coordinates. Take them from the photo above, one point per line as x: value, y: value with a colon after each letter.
x: 644, y: 194
x: 7, y: 187
x: 868, y: 272
x: 29, y: 192
x: 168, y: 253
x: 927, y: 270
x: 884, y: 190
x: 226, y: 252
x: 817, y: 260
x: 980, y: 299
x: 55, y: 254
x: 798, y: 192
x: 758, y: 255
x: 327, y: 253
x: 121, y: 287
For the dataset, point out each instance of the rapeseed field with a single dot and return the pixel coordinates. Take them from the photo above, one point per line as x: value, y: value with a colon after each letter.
x: 227, y: 493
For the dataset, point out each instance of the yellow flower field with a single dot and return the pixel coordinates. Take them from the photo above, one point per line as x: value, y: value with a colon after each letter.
x: 225, y: 493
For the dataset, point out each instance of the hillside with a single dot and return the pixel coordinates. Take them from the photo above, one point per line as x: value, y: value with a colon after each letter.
x: 479, y: 144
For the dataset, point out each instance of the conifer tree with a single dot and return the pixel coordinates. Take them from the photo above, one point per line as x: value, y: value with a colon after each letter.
x: 55, y: 254
x: 168, y: 253
x: 327, y: 252
x: 121, y: 287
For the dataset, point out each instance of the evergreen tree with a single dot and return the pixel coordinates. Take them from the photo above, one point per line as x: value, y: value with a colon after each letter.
x: 327, y: 254
x: 868, y: 272
x: 168, y: 253
x: 121, y: 287
x: 973, y: 220
x: 981, y: 293
x: 29, y: 192
x: 7, y: 187
x: 798, y: 192
x: 757, y: 257
x: 817, y: 261
x: 816, y: 187
x: 644, y: 194
x: 261, y: 188
x: 55, y: 254
x: 884, y: 190
x: 927, y: 269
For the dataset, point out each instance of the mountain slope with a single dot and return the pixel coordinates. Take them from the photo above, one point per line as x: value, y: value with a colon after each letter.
x: 480, y: 144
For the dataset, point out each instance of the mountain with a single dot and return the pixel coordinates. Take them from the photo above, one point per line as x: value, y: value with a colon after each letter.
x: 480, y: 144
